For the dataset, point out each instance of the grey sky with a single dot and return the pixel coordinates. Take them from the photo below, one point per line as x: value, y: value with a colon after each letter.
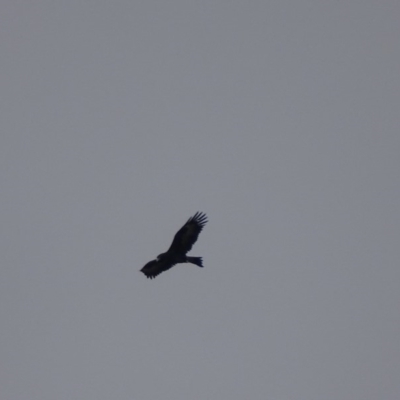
x: 280, y: 120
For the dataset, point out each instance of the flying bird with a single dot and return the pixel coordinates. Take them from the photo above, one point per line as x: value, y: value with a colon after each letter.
x: 183, y: 241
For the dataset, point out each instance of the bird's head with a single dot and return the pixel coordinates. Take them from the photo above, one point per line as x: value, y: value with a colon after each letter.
x: 160, y: 257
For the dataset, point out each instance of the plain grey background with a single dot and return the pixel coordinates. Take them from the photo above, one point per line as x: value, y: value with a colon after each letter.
x: 120, y: 120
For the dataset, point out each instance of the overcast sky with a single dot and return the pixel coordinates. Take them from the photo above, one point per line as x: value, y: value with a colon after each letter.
x: 279, y: 119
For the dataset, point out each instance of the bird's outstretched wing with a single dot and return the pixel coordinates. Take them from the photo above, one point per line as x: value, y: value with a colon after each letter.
x: 155, y: 267
x: 186, y: 237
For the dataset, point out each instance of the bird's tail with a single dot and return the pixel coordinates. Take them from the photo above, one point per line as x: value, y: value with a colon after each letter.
x: 195, y: 260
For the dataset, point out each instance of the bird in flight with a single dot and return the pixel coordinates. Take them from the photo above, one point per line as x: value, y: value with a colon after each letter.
x: 183, y: 241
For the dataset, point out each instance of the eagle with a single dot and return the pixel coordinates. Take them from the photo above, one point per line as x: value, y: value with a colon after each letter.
x: 183, y: 241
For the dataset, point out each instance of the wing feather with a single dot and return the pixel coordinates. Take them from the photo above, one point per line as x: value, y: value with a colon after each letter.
x: 155, y: 267
x: 187, y: 236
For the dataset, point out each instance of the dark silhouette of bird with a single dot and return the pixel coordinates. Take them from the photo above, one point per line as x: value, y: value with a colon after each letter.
x: 183, y: 241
